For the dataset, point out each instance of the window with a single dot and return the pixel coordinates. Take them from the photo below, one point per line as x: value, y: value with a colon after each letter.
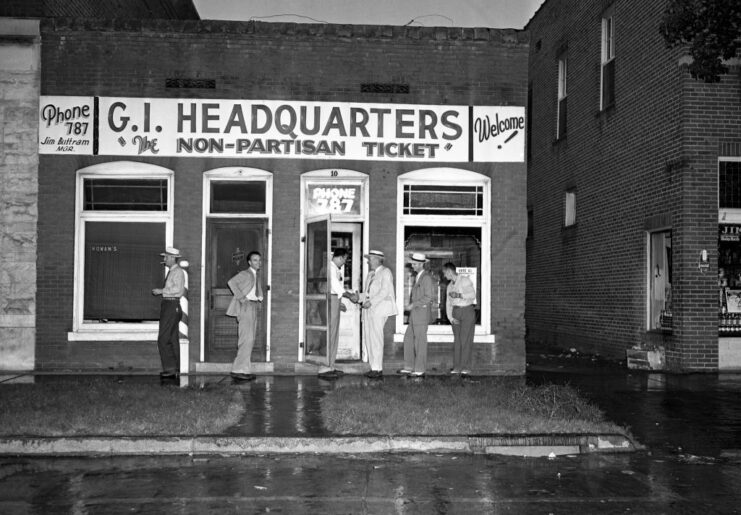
x: 729, y: 184
x: 124, y: 221
x: 660, y: 280
x: 561, y: 115
x: 444, y: 215
x: 246, y: 197
x: 607, y: 97
x: 569, y: 208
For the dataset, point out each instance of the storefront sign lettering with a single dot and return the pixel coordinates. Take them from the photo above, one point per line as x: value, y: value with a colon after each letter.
x: 331, y: 198
x: 66, y: 125
x: 285, y: 129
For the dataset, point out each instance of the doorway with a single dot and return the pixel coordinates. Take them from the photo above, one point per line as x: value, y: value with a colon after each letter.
x: 322, y: 236
x: 229, y: 243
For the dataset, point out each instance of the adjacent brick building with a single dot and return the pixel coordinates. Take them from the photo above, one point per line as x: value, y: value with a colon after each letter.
x: 224, y: 137
x: 628, y: 235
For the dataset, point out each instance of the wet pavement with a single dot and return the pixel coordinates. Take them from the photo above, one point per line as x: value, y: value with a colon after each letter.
x: 691, y: 425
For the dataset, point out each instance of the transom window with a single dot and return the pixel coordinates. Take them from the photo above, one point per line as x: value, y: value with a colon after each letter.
x: 447, y: 199
x: 125, y: 194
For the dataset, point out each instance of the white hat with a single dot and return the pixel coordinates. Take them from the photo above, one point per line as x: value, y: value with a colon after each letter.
x: 171, y: 251
x: 376, y: 253
x: 418, y: 257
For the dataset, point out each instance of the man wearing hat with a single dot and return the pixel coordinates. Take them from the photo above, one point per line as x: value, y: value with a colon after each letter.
x: 247, y: 290
x: 415, y: 338
x: 379, y: 303
x: 168, y: 340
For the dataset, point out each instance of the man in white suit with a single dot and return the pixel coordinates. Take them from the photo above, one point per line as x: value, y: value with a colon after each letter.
x: 379, y: 303
x: 247, y: 292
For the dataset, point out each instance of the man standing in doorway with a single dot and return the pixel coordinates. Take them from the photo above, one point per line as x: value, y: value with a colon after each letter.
x: 247, y: 289
x: 337, y: 292
x: 379, y: 303
x: 415, y: 338
x: 168, y: 340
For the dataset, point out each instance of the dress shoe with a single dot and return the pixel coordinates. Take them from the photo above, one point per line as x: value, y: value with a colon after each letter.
x: 454, y: 371
x: 168, y: 375
x: 339, y: 372
x: 417, y: 374
x: 239, y: 377
x: 404, y: 371
x: 374, y: 374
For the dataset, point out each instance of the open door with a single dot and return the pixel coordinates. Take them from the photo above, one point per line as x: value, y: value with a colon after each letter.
x: 229, y: 243
x: 316, y: 289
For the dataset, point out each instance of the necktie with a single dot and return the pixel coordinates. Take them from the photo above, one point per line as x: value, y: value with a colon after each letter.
x: 371, y: 276
x: 258, y: 286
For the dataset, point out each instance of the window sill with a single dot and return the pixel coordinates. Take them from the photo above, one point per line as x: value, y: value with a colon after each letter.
x: 118, y: 335
x: 560, y: 140
x: 478, y: 337
x: 605, y: 111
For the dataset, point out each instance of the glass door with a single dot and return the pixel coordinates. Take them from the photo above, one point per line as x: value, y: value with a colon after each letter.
x: 316, y: 289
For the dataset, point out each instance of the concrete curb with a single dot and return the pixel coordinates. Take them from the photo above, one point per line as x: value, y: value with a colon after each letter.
x: 530, y: 445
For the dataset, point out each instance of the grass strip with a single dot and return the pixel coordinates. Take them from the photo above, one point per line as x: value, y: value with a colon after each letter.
x: 103, y: 406
x: 435, y: 407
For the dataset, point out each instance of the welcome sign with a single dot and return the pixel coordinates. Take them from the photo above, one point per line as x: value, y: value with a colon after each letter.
x: 112, y: 126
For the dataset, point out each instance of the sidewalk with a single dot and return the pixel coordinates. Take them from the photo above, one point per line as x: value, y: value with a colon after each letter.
x: 283, y: 416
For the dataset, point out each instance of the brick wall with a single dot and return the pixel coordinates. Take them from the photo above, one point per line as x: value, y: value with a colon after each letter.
x: 287, y: 62
x: 19, y: 93
x: 649, y: 162
x: 106, y: 9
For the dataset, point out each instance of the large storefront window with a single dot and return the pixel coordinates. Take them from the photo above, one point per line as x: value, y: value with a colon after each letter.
x: 729, y: 247
x: 445, y: 215
x: 124, y: 220
x: 458, y: 245
x: 660, y: 273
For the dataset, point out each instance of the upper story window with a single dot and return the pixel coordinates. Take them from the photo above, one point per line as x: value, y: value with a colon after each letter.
x: 562, y: 107
x: 607, y: 96
x: 569, y: 208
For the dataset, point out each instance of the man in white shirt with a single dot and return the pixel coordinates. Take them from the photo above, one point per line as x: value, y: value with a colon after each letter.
x: 462, y: 315
x: 337, y: 292
x: 247, y: 289
x: 168, y: 340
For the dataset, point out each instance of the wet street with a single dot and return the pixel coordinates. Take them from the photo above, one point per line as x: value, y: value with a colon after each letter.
x: 691, y: 426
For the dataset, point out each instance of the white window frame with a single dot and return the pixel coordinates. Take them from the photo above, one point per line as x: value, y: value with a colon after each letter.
x: 649, y: 273
x: 563, y: 65
x: 446, y: 177
x: 233, y: 174
x: 607, y: 51
x: 569, y: 207
x: 144, y: 331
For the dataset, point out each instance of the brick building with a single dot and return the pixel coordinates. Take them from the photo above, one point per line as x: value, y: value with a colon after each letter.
x: 223, y: 137
x: 633, y: 202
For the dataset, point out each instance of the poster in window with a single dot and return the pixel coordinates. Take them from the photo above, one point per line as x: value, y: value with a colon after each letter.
x: 733, y: 300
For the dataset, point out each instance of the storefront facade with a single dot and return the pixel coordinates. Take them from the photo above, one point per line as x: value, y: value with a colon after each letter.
x: 222, y: 138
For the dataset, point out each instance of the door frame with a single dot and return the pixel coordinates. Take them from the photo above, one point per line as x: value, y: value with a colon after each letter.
x: 339, y: 176
x: 237, y: 173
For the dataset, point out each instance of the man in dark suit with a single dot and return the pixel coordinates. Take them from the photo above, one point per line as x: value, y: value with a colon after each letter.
x: 247, y: 292
x: 415, y: 338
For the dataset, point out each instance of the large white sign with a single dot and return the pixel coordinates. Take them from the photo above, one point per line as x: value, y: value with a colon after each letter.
x: 277, y: 129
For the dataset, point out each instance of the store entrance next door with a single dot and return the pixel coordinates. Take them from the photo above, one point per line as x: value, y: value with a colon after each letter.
x: 321, y: 236
x: 228, y: 242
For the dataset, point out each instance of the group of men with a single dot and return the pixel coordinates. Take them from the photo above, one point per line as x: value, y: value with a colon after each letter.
x: 377, y: 302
